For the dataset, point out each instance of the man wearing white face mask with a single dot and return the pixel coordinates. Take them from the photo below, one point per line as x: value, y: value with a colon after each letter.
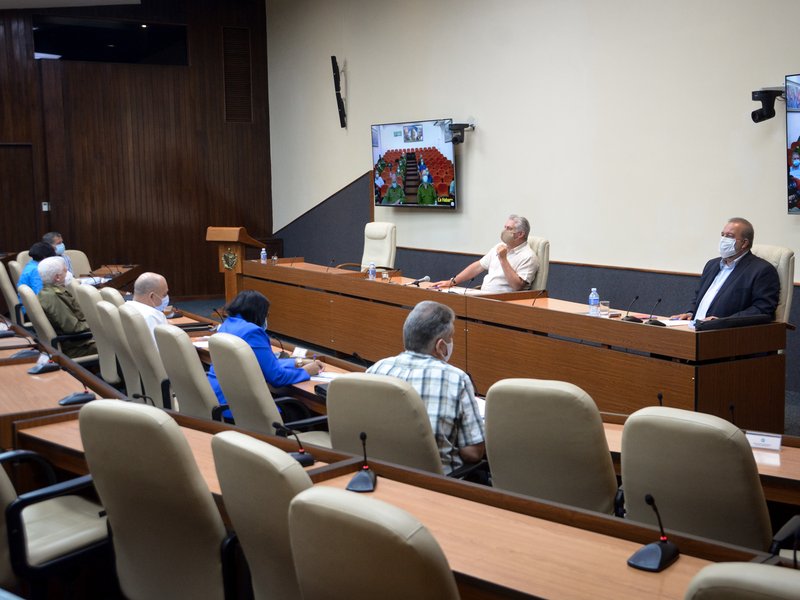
x: 445, y: 390
x: 511, y: 265
x: 738, y: 283
x: 151, y: 298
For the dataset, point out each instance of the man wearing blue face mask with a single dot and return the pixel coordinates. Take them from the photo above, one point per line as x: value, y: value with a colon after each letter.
x: 56, y: 240
x: 151, y: 298
x: 738, y: 283
x: 395, y: 194
x: 426, y: 193
x: 794, y: 169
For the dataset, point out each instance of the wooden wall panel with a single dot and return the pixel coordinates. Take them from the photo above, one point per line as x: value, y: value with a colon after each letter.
x: 139, y: 158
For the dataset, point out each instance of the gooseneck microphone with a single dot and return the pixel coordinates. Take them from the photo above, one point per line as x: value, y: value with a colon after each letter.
x: 536, y: 297
x: 660, y: 397
x: 144, y: 397
x: 416, y: 282
x: 659, y: 555
x: 365, y: 480
x: 301, y: 456
x: 628, y: 316
x: 651, y: 320
x: 330, y: 264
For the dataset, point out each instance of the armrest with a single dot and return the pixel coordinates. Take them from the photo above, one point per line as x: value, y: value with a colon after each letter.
x: 216, y: 412
x: 72, y: 337
x: 293, y: 408
x: 469, y: 469
x: 786, y: 536
x: 29, y: 456
x: 349, y: 266
x: 305, y: 424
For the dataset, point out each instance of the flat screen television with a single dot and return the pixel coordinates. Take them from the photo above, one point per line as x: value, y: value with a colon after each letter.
x: 793, y: 142
x: 413, y: 165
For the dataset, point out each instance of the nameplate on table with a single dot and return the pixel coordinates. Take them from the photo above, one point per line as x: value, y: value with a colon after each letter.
x: 765, y: 441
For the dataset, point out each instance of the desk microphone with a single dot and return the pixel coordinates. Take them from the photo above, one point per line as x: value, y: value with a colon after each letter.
x: 365, y: 479
x: 144, y: 397
x: 660, y: 397
x: 627, y: 316
x: 301, y: 456
x: 651, y: 320
x: 283, y: 353
x: 466, y: 287
x: 330, y: 265
x: 539, y: 293
x: 659, y: 555
x: 416, y: 282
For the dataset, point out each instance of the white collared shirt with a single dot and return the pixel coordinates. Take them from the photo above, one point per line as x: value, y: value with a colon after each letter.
x: 725, y: 271
x: 522, y: 259
x: 152, y: 316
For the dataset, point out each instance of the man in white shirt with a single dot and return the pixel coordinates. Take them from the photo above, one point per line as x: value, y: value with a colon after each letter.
x: 151, y: 298
x: 510, y: 266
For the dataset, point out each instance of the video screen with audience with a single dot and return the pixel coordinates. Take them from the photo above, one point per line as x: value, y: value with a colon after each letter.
x: 793, y: 142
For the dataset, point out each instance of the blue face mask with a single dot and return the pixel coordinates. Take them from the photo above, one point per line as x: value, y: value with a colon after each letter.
x: 164, y: 303
x: 796, y: 162
x: 425, y: 179
x: 394, y: 185
x: 60, y: 248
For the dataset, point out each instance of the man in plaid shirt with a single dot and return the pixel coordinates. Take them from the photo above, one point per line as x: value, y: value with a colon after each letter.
x: 445, y: 390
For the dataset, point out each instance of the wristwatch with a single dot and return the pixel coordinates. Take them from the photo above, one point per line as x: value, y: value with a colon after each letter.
x: 453, y: 281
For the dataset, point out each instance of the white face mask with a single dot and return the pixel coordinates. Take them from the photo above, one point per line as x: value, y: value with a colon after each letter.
x: 164, y: 303
x: 727, y: 247
x: 448, y: 350
x: 507, y: 236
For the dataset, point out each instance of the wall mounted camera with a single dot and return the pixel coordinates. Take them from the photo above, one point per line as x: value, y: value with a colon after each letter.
x: 458, y: 130
x: 767, y: 97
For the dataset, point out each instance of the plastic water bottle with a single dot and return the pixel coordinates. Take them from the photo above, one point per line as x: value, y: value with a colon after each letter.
x: 263, y: 256
x: 372, y: 271
x: 594, y: 303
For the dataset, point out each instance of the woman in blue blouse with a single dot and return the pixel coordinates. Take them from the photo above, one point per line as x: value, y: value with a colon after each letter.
x: 247, y: 319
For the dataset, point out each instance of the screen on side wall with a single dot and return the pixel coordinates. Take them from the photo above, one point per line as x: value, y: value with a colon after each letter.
x: 413, y: 165
x: 793, y: 142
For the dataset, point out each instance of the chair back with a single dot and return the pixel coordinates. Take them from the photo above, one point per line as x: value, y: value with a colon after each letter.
x: 258, y: 482
x: 391, y: 413
x: 546, y: 439
x: 88, y: 297
x: 167, y: 529
x: 380, y: 244
x: 9, y: 295
x: 540, y: 247
x: 347, y: 546
x: 14, y: 271
x: 744, y: 581
x: 783, y: 260
x: 80, y: 262
x: 23, y: 258
x: 7, y: 495
x: 33, y: 309
x: 243, y: 383
x: 112, y: 295
x: 700, y: 470
x: 186, y: 374
x: 146, y: 356
x: 112, y: 326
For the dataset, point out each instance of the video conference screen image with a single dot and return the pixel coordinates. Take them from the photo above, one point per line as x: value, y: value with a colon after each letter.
x: 413, y: 164
x: 793, y: 141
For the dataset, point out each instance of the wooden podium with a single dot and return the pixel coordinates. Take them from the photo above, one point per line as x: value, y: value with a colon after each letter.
x: 231, y: 242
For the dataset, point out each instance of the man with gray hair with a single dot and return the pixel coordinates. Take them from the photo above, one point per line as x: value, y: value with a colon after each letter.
x: 510, y: 265
x: 56, y: 240
x: 62, y: 309
x: 445, y: 390
x: 151, y: 298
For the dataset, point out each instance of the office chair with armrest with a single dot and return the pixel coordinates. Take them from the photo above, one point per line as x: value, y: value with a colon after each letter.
x: 23, y: 258
x: 347, y: 545
x: 168, y: 536
x: 44, y: 330
x: 112, y: 295
x: 744, y: 581
x: 88, y: 297
x: 186, y: 373
x: 380, y: 246
x: 540, y: 247
x: 248, y: 394
x: 146, y: 357
x: 80, y: 262
x: 109, y: 317
x: 546, y: 439
x: 14, y: 271
x: 10, y: 296
x: 783, y: 261
x: 49, y: 530
x: 258, y: 482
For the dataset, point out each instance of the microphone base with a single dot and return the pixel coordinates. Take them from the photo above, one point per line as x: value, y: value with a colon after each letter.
x: 654, y: 557
x: 631, y: 319
x: 77, y: 398
x: 32, y: 353
x: 7, y: 334
x: 304, y: 458
x: 655, y: 322
x: 47, y: 367
x: 363, y: 481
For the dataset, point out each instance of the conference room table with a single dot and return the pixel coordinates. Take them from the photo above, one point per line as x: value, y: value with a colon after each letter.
x: 732, y: 373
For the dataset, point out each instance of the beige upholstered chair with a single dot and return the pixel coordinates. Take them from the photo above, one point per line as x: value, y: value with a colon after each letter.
x: 167, y: 529
x: 744, y: 581
x: 45, y: 526
x: 113, y: 296
x: 247, y: 393
x: 258, y: 482
x: 541, y: 247
x: 380, y: 246
x: 146, y: 356
x: 23, y: 258
x: 14, y: 271
x: 186, y: 374
x: 391, y: 413
x: 41, y: 324
x: 80, y: 262
x: 783, y: 261
x: 88, y: 297
x: 546, y: 439
x: 109, y: 317
x: 701, y: 472
x: 10, y: 296
x: 347, y: 546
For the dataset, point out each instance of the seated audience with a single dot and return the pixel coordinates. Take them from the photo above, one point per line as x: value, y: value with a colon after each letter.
x: 445, y: 390
x: 62, y: 309
x: 56, y: 240
x: 151, y: 298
